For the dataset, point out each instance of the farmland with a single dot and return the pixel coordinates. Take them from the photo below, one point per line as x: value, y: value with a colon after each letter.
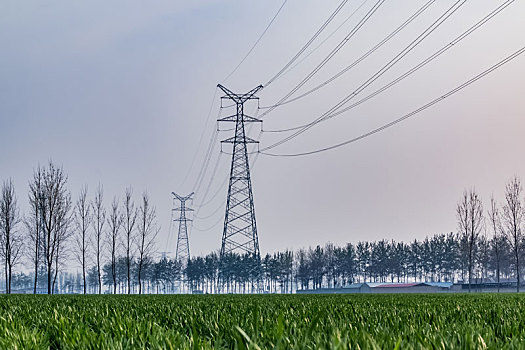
x: 266, y: 321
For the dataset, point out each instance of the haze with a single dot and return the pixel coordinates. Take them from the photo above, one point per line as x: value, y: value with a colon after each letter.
x: 119, y: 93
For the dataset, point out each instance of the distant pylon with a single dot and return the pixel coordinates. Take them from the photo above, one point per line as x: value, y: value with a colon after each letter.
x: 240, y: 228
x: 183, y: 245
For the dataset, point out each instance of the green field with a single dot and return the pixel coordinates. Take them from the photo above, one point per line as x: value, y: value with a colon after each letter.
x: 271, y: 321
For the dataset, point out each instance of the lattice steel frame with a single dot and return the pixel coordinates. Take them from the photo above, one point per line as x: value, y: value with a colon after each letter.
x: 183, y: 244
x: 240, y: 227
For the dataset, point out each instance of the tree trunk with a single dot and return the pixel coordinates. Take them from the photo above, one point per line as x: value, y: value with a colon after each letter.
x: 518, y: 271
x: 129, y: 279
x: 140, y: 279
x: 99, y: 275
x: 84, y: 272
x: 6, y: 280
x: 469, y: 271
x: 114, y: 278
x: 49, y: 290
x: 36, y: 277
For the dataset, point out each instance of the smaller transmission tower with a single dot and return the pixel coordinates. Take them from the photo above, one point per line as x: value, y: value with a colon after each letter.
x: 183, y: 244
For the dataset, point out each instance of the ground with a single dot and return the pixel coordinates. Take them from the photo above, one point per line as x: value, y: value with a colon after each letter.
x: 430, y: 321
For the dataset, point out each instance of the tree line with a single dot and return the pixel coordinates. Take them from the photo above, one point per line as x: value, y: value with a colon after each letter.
x: 113, y: 248
x: 57, y: 230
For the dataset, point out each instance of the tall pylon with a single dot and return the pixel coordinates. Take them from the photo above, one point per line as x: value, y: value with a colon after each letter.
x: 183, y: 245
x: 240, y: 228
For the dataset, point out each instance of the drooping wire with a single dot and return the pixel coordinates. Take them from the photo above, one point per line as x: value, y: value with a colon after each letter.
x: 411, y: 114
x: 221, y: 219
x: 215, y: 170
x: 256, y: 42
x: 207, y: 157
x: 212, y: 177
x: 325, y: 39
x: 354, y: 30
x: 200, y: 139
x: 312, y: 39
x: 170, y: 230
x: 450, y: 11
x: 414, y: 69
x: 360, y: 59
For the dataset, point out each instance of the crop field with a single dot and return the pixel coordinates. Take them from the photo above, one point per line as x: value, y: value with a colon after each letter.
x: 263, y: 321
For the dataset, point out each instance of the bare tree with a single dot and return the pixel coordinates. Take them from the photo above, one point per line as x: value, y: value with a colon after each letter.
x: 34, y: 221
x: 495, y: 222
x: 10, y: 237
x: 55, y: 206
x: 470, y: 223
x: 99, y: 217
x: 63, y: 233
x: 130, y: 216
x: 512, y: 219
x: 147, y: 232
x: 82, y: 221
x: 114, y: 222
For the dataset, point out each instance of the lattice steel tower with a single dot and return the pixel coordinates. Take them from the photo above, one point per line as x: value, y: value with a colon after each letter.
x: 183, y: 244
x: 240, y: 228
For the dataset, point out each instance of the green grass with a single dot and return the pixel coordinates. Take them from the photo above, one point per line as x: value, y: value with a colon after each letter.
x: 272, y: 321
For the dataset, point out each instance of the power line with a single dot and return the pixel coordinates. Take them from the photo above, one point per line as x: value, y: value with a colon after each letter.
x: 222, y: 203
x: 413, y: 113
x: 256, y: 42
x: 207, y: 157
x: 209, y: 200
x: 360, y: 59
x: 325, y: 39
x: 200, y: 139
x: 414, y: 69
x: 169, y: 231
x: 354, y: 30
x: 450, y: 11
x: 312, y: 39
x: 221, y: 219
x: 212, y: 177
x: 216, y: 168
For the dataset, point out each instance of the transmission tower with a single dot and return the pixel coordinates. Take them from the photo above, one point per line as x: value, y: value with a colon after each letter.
x: 240, y: 228
x: 183, y: 244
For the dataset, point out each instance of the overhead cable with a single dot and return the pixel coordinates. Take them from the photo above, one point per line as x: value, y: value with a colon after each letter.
x: 347, y: 38
x: 312, y: 39
x: 325, y: 39
x: 360, y: 59
x: 411, y: 114
x: 450, y: 11
x: 412, y: 70
x: 256, y: 42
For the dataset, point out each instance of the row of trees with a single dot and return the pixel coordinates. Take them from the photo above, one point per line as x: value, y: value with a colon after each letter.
x: 440, y: 258
x: 489, y: 244
x: 114, y: 247
x: 57, y: 230
x: 505, y: 223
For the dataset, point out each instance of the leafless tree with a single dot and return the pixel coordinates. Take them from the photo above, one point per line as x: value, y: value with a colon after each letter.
x: 470, y: 223
x: 512, y: 220
x: 147, y: 232
x: 495, y: 223
x: 99, y: 217
x: 10, y: 238
x: 82, y: 221
x: 51, y: 201
x: 114, y: 222
x: 34, y: 223
x: 130, y: 216
x: 63, y: 234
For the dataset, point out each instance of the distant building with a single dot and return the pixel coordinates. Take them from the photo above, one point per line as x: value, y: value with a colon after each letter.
x: 384, y: 288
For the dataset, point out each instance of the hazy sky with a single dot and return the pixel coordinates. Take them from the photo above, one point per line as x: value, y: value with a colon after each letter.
x: 118, y: 92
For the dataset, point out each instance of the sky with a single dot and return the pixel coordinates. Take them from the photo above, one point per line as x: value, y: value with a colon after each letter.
x: 123, y: 93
